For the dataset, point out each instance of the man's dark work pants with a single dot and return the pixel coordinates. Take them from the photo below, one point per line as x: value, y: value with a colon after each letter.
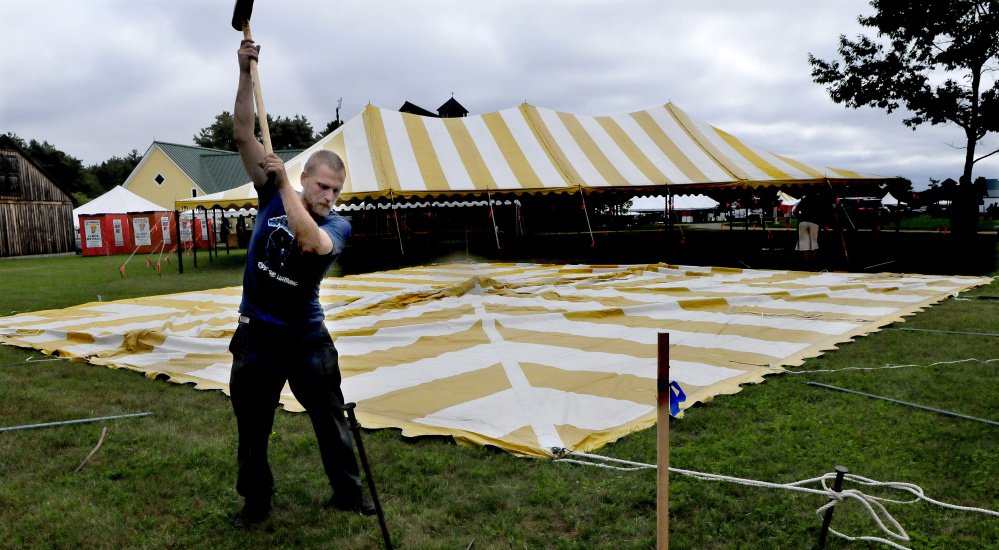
x: 264, y: 357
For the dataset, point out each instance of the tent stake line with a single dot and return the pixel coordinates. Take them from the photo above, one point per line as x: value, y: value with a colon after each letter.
x: 915, y: 405
x: 67, y: 422
x: 943, y: 331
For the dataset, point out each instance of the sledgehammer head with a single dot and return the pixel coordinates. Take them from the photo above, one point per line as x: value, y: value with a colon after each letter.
x: 241, y: 13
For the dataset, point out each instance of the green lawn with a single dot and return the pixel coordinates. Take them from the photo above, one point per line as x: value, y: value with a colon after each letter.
x: 166, y: 480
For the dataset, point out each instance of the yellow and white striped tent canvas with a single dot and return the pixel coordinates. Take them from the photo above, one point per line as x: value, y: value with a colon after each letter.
x: 532, y: 149
x: 244, y: 196
x: 527, y: 357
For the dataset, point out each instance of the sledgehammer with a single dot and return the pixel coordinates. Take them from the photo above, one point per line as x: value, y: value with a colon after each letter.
x: 241, y: 22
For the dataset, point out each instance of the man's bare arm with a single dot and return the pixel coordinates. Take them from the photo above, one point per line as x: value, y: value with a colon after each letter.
x: 250, y: 150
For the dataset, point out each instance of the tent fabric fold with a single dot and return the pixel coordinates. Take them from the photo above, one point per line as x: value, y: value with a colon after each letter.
x: 525, y: 357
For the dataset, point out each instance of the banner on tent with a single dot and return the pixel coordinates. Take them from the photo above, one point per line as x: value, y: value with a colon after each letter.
x: 92, y: 230
x: 165, y: 227
x: 140, y: 229
x: 124, y: 233
x: 119, y: 234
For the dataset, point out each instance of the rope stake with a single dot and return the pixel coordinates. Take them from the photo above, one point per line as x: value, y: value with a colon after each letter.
x: 67, y: 422
x: 914, y: 405
x: 837, y: 486
x: 872, y: 504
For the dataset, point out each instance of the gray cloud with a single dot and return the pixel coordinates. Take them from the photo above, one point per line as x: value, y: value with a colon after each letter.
x: 100, y: 78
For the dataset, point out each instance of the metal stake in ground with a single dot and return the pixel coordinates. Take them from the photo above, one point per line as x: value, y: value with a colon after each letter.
x: 355, y: 428
x: 837, y: 486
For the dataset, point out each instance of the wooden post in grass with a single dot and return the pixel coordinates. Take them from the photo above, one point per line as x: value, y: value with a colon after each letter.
x: 662, y: 443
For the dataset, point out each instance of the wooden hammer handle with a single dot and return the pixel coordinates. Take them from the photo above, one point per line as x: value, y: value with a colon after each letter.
x: 258, y: 95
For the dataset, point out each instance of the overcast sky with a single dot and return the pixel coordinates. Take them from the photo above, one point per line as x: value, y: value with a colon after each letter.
x: 98, y: 78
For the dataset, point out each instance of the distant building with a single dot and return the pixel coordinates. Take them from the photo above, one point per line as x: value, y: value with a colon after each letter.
x: 36, y: 215
x: 450, y: 109
x: 410, y: 108
x: 168, y: 172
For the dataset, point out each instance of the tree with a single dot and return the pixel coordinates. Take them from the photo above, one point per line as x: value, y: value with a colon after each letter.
x: 291, y: 133
x: 286, y: 133
x: 935, y: 58
x: 115, y: 170
x: 330, y: 127
x: 219, y: 135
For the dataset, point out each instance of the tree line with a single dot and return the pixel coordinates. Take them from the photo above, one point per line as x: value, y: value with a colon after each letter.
x: 84, y: 183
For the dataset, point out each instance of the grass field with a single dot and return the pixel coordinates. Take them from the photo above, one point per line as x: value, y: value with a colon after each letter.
x: 166, y: 480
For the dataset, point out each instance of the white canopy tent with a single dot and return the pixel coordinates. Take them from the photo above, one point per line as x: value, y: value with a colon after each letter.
x: 889, y: 200
x: 681, y: 203
x: 116, y: 201
x: 787, y: 200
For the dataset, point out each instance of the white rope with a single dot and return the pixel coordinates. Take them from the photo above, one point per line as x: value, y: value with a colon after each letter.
x: 872, y: 504
x: 939, y: 331
x: 34, y: 360
x: 954, y: 362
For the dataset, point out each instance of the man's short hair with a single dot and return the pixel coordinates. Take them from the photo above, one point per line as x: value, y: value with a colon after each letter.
x: 327, y: 158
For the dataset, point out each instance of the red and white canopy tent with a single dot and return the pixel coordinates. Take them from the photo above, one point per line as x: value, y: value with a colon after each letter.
x: 120, y: 221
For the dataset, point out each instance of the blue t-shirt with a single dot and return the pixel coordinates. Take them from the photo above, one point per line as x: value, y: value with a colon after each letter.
x: 281, y: 283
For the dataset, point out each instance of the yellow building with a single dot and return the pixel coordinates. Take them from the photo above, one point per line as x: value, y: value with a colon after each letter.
x: 168, y: 172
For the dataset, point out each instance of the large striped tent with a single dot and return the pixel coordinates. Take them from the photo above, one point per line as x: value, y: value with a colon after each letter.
x: 390, y: 154
x: 527, y: 357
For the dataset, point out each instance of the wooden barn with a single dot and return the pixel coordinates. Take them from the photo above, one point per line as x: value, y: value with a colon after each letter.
x: 36, y: 216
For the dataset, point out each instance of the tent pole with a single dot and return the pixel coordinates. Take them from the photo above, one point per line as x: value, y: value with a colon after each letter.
x: 662, y: 443
x: 395, y: 216
x: 226, y: 226
x: 839, y: 226
x: 180, y: 245
x: 593, y: 241
x: 669, y: 210
x: 211, y: 233
x: 215, y: 231
x: 194, y: 235
x: 492, y: 217
x: 518, y: 222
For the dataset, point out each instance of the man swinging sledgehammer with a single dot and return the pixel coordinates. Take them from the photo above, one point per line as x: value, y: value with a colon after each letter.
x: 281, y: 334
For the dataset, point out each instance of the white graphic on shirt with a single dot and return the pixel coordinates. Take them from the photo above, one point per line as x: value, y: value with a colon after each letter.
x: 279, y: 250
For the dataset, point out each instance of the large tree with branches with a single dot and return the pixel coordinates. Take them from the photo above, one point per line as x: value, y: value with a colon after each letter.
x: 937, y: 59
